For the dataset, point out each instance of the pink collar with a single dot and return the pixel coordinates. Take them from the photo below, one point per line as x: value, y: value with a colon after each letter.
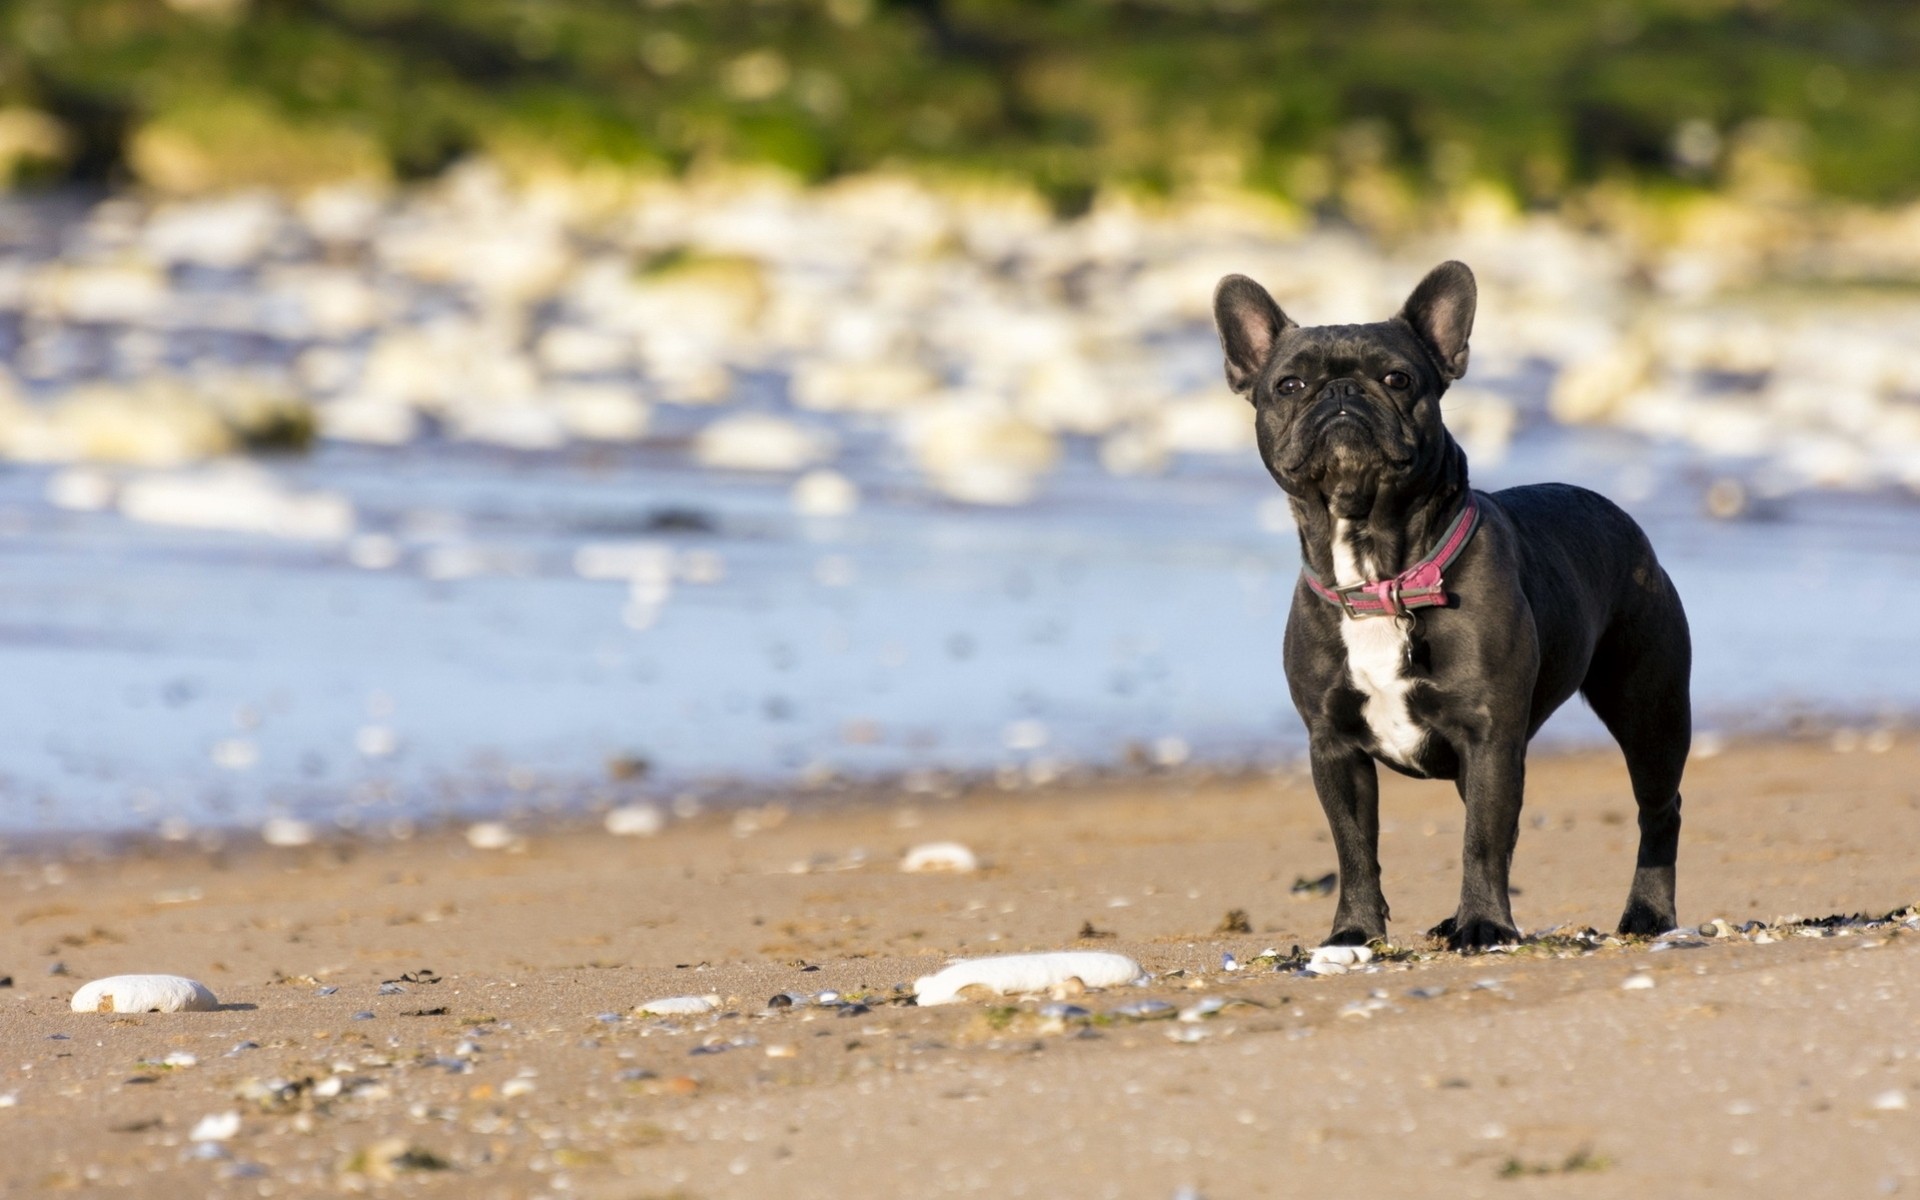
x: 1419, y: 586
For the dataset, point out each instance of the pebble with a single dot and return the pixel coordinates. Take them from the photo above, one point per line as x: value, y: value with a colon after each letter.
x: 1892, y: 1100
x: 215, y: 1127
x: 760, y: 442
x: 1205, y: 1007
x: 1017, y: 973
x: 144, y: 993
x: 824, y: 493
x: 635, y: 820
x: 516, y: 1087
x: 1060, y: 1010
x: 490, y: 835
x: 1640, y: 981
x: 1342, y: 956
x: 679, y: 1006
x: 940, y: 856
x: 287, y: 832
x: 1146, y: 1010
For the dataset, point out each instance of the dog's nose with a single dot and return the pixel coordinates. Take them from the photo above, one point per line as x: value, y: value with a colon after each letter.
x: 1342, y: 390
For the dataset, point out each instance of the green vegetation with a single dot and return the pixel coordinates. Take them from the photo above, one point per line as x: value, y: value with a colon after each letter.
x: 1353, y: 105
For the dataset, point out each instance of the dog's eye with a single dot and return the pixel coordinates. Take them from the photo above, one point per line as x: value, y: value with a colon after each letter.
x: 1290, y: 385
x: 1397, y: 380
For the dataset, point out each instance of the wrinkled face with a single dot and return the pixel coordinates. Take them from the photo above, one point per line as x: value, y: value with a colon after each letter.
x: 1345, y: 410
x: 1347, y: 414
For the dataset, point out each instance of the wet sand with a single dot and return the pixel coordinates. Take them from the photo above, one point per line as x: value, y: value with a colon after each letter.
x: 510, y: 1064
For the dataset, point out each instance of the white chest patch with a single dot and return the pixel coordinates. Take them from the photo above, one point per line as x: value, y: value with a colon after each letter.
x: 1376, y: 663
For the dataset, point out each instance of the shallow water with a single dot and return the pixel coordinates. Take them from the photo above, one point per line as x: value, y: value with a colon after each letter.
x: 161, y: 672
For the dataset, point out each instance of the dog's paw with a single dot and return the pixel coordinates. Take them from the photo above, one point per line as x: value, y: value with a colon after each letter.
x: 1642, y: 920
x: 1352, y: 936
x: 1476, y: 933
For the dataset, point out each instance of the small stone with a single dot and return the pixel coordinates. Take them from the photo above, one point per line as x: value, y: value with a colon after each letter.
x: 1639, y: 981
x: 1145, y: 1010
x: 635, y: 820
x: 516, y: 1087
x: 490, y: 835
x: 215, y: 1127
x: 678, y: 1006
x: 781, y: 1050
x: 1891, y: 1100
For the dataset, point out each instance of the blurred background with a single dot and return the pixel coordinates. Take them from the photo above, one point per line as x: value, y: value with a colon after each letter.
x: 420, y: 407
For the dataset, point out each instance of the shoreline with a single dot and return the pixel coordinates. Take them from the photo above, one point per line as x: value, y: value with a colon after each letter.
x: 693, y: 802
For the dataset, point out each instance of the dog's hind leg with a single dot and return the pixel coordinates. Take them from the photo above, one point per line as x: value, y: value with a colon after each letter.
x: 1638, y: 687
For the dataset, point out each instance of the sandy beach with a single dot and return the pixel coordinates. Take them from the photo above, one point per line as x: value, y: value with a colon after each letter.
x: 426, y: 1017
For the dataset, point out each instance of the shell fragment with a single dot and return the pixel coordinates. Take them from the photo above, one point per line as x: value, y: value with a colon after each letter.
x: 940, y: 856
x: 679, y: 1006
x: 144, y: 993
x: 1017, y: 973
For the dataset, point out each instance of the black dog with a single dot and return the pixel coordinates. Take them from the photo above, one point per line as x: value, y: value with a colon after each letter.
x: 1436, y: 628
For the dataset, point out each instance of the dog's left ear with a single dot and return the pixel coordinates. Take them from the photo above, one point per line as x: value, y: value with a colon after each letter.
x: 1441, y: 313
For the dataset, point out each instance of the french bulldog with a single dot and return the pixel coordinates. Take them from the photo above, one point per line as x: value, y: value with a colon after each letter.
x: 1435, y: 628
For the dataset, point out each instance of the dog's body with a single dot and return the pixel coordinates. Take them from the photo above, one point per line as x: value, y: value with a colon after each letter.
x: 1550, y: 590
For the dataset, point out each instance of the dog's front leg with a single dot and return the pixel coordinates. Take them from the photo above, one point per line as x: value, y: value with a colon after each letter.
x: 1349, y: 789
x: 1492, y: 777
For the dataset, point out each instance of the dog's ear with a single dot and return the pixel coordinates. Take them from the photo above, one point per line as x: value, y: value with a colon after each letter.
x: 1441, y: 313
x: 1249, y: 323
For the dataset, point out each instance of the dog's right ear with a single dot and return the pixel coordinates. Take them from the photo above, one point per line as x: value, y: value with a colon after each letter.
x: 1249, y: 323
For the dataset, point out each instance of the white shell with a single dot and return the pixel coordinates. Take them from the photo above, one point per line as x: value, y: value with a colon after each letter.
x: 1343, y: 956
x: 1015, y: 973
x: 636, y: 820
x: 144, y: 993
x: 940, y: 856
x: 1637, y: 983
x: 490, y: 835
x: 287, y: 831
x: 215, y: 1127
x: 679, y: 1006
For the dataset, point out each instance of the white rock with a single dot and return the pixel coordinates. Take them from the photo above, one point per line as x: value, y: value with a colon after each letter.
x: 1639, y: 981
x: 679, y: 1006
x: 215, y: 1127
x: 236, y: 498
x: 144, y: 993
x: 760, y: 442
x: 652, y: 561
x: 371, y: 419
x: 287, y: 831
x: 940, y: 856
x: 1017, y: 973
x: 824, y: 493
x: 1891, y: 1100
x: 81, y: 489
x: 1215, y: 423
x: 976, y: 452
x: 517, y: 426
x: 490, y: 835
x: 1343, y: 956
x: 636, y: 820
x: 602, y: 412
